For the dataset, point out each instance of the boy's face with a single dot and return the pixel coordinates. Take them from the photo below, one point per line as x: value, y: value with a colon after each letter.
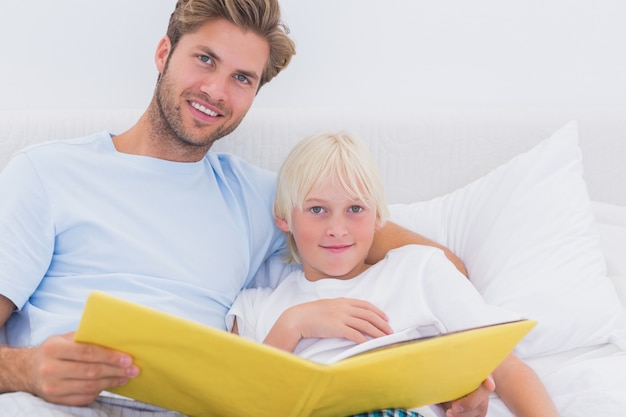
x: 209, y: 81
x: 333, y: 233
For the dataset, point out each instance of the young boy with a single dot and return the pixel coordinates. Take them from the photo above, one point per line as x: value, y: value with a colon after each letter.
x: 329, y: 202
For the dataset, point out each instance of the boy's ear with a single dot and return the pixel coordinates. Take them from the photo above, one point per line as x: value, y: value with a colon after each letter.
x: 282, y: 224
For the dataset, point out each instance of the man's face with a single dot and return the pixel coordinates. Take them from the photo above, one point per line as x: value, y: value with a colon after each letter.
x: 208, y: 82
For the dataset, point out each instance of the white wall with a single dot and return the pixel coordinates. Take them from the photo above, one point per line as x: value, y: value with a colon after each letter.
x: 79, y: 53
x: 96, y: 54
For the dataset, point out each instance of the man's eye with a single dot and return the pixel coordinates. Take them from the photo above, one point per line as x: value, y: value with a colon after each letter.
x: 242, y: 78
x: 206, y: 59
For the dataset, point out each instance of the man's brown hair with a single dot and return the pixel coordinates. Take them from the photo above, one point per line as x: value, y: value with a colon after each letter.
x: 261, y: 17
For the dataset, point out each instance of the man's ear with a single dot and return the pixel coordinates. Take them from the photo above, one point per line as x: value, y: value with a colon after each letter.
x: 282, y: 224
x: 162, y: 52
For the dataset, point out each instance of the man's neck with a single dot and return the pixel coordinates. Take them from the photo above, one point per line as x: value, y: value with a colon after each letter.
x: 149, y: 138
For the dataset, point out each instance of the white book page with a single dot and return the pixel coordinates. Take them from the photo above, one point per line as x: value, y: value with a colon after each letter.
x: 412, y: 333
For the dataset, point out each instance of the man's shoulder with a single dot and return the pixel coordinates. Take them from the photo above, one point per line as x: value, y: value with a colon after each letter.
x: 58, y: 154
x: 229, y: 159
x: 235, y: 168
x: 64, y: 145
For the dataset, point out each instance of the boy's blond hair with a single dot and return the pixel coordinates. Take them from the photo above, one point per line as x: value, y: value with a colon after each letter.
x: 335, y: 156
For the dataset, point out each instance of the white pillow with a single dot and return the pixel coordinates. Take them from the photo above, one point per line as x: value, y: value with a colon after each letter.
x: 526, y: 234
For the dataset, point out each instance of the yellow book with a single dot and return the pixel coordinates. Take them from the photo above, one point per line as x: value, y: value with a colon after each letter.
x: 203, y: 371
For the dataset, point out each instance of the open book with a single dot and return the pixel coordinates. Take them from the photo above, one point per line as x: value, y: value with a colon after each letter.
x: 401, y: 336
x: 203, y: 371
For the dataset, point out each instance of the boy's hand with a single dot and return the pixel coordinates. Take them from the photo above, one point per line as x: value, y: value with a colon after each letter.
x: 347, y: 318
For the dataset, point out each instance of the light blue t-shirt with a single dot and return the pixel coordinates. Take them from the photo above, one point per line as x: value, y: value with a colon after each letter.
x: 77, y: 216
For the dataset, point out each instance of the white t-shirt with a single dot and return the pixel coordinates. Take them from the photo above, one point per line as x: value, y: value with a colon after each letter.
x: 414, y: 285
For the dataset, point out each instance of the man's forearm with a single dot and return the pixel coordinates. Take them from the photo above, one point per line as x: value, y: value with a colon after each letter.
x: 13, y: 361
x: 392, y: 236
x: 13, y: 366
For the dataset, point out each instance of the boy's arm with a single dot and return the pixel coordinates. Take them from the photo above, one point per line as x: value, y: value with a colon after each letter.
x: 521, y: 390
x: 392, y: 236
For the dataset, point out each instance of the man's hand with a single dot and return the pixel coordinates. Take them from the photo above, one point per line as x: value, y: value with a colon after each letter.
x: 62, y: 371
x: 474, y: 404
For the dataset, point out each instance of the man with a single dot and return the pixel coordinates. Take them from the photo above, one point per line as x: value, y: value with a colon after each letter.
x: 147, y: 215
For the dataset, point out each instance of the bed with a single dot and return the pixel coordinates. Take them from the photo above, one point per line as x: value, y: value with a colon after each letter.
x: 532, y: 199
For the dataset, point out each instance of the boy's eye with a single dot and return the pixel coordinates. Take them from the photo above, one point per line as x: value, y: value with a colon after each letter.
x: 356, y: 209
x: 316, y: 210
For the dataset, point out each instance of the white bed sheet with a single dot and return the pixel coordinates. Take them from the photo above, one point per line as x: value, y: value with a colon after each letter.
x: 590, y: 381
x: 611, y: 222
x: 583, y: 382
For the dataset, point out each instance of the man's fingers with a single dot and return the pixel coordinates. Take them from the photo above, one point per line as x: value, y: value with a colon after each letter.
x: 83, y: 382
x: 78, y: 392
x: 89, y: 353
x: 75, y: 373
x: 91, y: 370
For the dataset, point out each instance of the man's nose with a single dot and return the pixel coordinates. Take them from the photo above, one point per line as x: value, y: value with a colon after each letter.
x: 215, y: 86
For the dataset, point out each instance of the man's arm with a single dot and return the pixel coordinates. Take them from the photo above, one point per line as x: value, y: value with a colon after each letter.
x: 6, y: 309
x: 11, y: 379
x: 60, y: 370
x: 392, y: 236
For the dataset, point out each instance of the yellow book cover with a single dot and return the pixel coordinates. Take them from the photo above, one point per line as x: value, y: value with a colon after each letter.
x: 203, y: 371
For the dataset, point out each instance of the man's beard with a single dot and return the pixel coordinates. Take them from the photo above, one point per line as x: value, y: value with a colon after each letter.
x: 167, y: 121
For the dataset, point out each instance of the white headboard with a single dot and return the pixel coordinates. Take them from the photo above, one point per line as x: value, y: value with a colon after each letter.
x: 422, y: 153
